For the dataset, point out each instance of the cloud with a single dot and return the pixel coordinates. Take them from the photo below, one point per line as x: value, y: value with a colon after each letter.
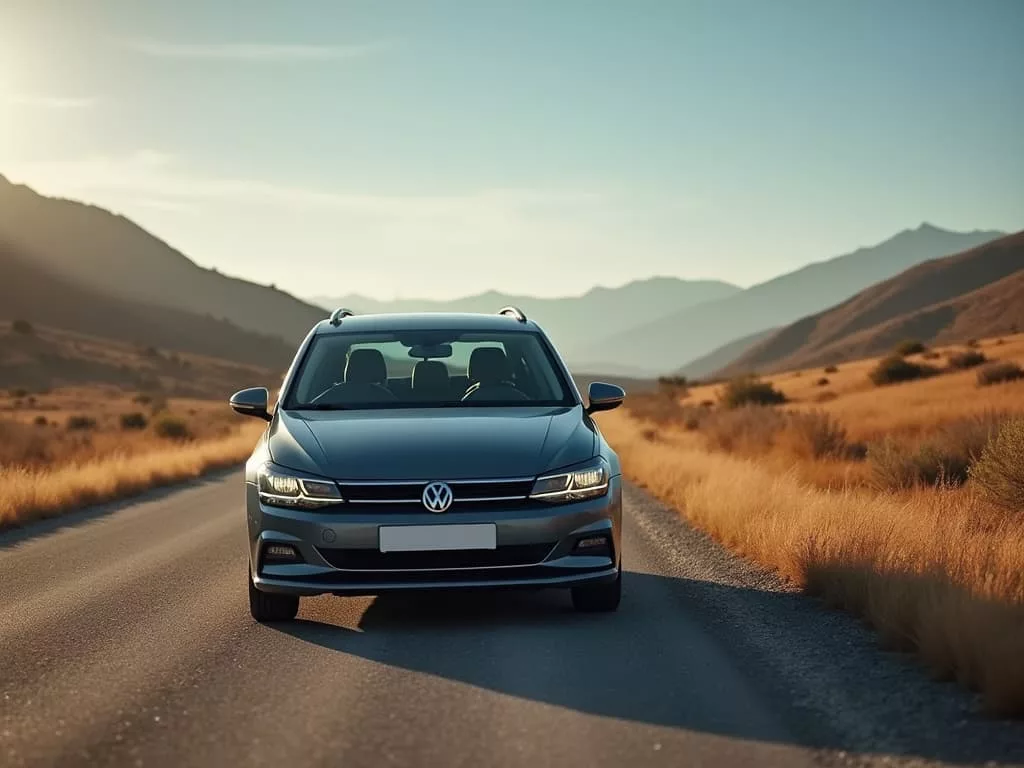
x: 39, y: 101
x: 252, y: 51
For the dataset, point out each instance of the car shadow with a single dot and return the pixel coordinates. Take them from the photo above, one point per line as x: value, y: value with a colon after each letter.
x: 654, y: 661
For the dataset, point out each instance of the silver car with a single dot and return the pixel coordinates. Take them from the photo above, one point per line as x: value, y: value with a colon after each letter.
x: 430, y: 451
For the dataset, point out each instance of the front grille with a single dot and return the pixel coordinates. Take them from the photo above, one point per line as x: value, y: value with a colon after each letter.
x: 372, y: 560
x: 411, y: 493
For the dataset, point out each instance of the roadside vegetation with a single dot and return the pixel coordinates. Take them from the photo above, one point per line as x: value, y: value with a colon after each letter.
x: 66, y: 448
x: 901, y: 501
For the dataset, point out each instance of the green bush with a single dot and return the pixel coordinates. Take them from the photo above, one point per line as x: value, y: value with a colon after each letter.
x: 750, y: 390
x: 134, y: 420
x: 172, y: 427
x: 997, y: 373
x: 24, y: 327
x: 80, y: 422
x: 999, y: 473
x: 969, y: 359
x: 894, y: 369
x: 910, y: 347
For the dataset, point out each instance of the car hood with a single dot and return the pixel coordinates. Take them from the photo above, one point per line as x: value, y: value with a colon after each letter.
x: 431, y: 443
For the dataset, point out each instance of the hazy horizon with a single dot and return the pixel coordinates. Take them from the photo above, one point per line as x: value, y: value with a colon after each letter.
x: 440, y: 150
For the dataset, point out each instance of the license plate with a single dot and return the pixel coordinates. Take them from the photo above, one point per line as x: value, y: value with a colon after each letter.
x: 426, y: 538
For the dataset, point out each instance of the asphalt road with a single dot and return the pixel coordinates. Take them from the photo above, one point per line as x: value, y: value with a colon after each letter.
x: 125, y: 639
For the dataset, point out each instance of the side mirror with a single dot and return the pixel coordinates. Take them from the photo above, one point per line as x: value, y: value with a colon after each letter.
x: 251, y: 402
x: 604, y: 397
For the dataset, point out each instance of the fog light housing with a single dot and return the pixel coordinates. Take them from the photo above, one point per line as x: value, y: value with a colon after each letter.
x: 593, y: 545
x: 280, y: 553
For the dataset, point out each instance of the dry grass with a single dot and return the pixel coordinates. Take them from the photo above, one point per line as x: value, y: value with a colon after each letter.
x: 938, y: 572
x: 33, y: 493
x: 64, y: 449
x: 922, y: 535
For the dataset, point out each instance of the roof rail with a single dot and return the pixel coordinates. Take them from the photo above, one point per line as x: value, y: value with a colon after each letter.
x: 515, y: 312
x: 338, y: 314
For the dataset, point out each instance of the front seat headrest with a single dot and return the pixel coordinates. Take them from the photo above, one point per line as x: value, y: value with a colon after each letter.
x: 430, y: 375
x: 365, y: 366
x: 489, y: 365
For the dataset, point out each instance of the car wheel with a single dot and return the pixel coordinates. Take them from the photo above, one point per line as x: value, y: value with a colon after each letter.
x: 594, y: 598
x: 269, y: 606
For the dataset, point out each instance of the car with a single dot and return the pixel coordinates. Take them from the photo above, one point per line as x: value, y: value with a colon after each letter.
x: 430, y: 451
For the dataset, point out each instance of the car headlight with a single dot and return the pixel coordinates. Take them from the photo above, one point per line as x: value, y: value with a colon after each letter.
x: 281, y: 488
x: 585, y: 481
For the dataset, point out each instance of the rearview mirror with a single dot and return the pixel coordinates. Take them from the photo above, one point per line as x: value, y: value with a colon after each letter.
x: 251, y: 402
x: 604, y: 397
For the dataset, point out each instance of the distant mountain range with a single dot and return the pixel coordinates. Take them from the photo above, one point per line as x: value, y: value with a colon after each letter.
x: 573, y: 322
x: 974, y: 294
x: 71, y: 265
x: 669, y: 342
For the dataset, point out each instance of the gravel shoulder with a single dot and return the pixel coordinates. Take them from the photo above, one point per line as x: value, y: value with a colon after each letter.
x: 843, y: 694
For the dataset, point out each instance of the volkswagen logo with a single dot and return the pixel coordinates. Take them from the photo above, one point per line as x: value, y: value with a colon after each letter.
x: 437, y: 497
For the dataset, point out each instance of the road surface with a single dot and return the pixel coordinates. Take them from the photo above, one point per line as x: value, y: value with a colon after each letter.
x: 125, y: 639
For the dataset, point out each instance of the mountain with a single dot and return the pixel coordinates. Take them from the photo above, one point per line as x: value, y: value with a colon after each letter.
x: 695, y: 331
x: 30, y: 292
x: 112, y: 256
x: 574, y: 322
x: 722, y: 356
x: 973, y: 294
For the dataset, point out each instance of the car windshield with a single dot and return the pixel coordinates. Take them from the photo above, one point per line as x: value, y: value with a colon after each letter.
x: 427, y: 369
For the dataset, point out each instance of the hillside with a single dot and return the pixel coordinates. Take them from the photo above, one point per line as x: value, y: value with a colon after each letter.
x: 111, y: 255
x: 974, y: 294
x: 30, y: 292
x: 574, y: 322
x: 720, y: 357
x: 668, y: 342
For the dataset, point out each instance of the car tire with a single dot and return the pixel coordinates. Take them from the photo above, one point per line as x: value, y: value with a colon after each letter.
x: 270, y: 607
x: 598, y: 598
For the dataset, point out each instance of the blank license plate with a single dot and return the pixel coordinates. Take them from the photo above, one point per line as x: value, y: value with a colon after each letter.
x: 424, y: 538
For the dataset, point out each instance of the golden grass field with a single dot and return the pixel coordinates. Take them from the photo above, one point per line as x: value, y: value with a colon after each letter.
x: 935, y: 569
x: 66, y: 448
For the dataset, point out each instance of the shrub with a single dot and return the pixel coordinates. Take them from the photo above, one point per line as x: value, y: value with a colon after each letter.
x: 23, y: 327
x: 750, y: 390
x: 894, y: 369
x: 943, y: 458
x: 910, y: 347
x: 746, y: 429
x: 172, y: 428
x: 999, y: 473
x: 142, y: 399
x: 816, y: 434
x: 80, y: 422
x: 969, y: 359
x: 134, y: 420
x: 831, y: 369
x: 997, y: 373
x: 40, y: 421
x: 972, y: 343
x: 19, y: 392
x: 822, y: 382
x: 675, y: 384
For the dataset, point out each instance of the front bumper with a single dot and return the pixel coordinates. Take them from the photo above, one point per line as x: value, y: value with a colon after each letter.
x: 535, y: 548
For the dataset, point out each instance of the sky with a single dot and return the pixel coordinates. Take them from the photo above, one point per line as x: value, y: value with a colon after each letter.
x: 439, y: 148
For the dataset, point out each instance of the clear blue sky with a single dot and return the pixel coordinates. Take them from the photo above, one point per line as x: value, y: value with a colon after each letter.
x: 442, y: 148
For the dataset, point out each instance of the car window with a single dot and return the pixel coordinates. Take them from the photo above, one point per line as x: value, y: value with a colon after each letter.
x: 428, y: 369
